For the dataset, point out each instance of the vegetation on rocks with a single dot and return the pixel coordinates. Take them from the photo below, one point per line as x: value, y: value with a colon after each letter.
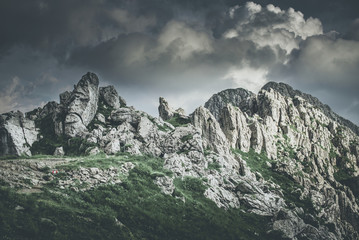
x: 134, y: 209
x: 291, y: 189
x: 48, y: 141
x: 178, y: 121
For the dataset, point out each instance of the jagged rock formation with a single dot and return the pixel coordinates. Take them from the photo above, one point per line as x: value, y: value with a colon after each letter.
x: 279, y: 153
x: 307, y: 142
x: 55, y: 121
x: 288, y: 91
x: 166, y: 112
x: 239, y: 97
x: 17, y: 134
x: 110, y: 96
x: 82, y: 105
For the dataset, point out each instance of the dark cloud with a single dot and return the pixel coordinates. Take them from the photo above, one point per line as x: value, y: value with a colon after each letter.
x: 184, y: 50
x: 327, y: 68
x: 353, y: 32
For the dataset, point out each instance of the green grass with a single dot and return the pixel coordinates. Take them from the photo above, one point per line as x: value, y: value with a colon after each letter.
x: 286, y: 147
x: 163, y: 128
x: 144, y: 211
x: 343, y: 174
x: 93, y: 124
x: 207, y: 151
x: 178, y: 121
x: 214, y: 166
x: 321, y: 124
x: 257, y: 163
x: 293, y: 128
x: 187, y: 138
x: 308, y: 166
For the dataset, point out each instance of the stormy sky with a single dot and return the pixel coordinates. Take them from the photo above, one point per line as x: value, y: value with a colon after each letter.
x: 183, y: 50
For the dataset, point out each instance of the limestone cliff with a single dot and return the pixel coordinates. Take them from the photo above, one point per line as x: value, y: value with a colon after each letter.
x: 81, y: 105
x: 17, y: 134
x: 306, y: 141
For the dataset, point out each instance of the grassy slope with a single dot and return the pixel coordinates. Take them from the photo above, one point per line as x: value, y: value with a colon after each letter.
x: 145, y: 212
x: 257, y: 163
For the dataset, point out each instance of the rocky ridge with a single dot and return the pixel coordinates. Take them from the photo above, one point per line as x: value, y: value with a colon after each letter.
x: 247, y: 146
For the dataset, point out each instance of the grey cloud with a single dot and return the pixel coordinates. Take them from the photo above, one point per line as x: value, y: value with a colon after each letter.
x: 325, y: 62
x: 164, y: 60
x: 327, y: 68
x: 29, y: 78
x: 58, y: 27
x: 184, y: 56
x: 353, y: 32
x: 179, y: 48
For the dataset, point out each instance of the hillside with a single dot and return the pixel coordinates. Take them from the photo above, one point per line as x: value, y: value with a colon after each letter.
x: 274, y: 165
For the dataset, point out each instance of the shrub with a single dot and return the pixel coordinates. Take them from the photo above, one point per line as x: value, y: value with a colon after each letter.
x: 77, y: 146
x: 257, y: 163
x: 214, y: 166
x: 178, y: 121
x: 187, y: 138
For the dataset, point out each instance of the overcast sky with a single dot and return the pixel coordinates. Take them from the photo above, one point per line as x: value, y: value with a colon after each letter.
x: 183, y: 50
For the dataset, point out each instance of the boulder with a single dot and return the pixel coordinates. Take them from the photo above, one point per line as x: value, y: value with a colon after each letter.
x: 166, y: 184
x: 17, y: 134
x: 59, y: 152
x: 166, y: 112
x: 122, y: 102
x: 82, y: 105
x: 109, y: 96
x: 122, y: 115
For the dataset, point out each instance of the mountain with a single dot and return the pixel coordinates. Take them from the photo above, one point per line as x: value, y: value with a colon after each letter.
x: 274, y: 165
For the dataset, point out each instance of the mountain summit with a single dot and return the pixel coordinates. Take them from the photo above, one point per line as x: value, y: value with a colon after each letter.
x: 280, y: 154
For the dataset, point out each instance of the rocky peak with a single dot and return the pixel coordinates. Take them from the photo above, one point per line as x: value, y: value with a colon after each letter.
x: 109, y: 96
x: 288, y: 91
x: 87, y: 80
x: 283, y: 88
x: 82, y: 105
x: 64, y: 97
x: 55, y: 121
x: 166, y: 112
x: 306, y: 141
x: 17, y: 134
x: 238, y: 97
